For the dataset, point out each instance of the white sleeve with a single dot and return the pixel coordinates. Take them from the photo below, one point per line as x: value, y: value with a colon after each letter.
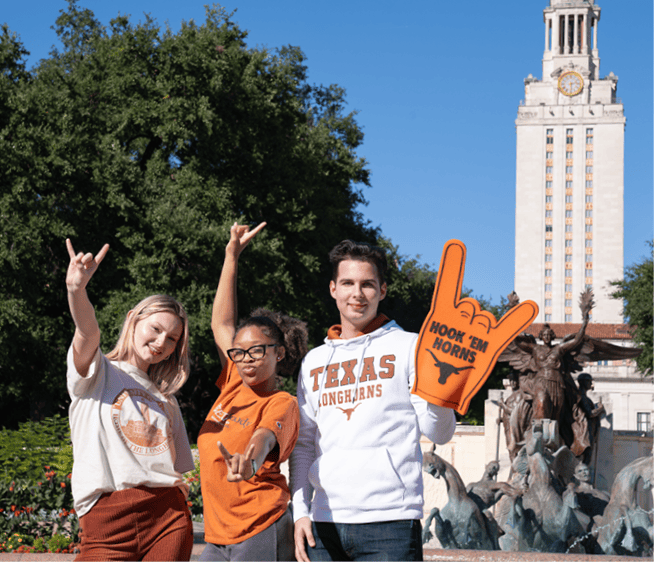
x: 436, y: 422
x: 303, y: 455
x: 90, y: 385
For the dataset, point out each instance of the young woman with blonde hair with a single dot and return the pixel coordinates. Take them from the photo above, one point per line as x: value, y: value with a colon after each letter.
x: 130, y: 446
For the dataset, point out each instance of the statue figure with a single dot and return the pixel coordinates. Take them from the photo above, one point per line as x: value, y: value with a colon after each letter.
x: 515, y: 415
x: 487, y: 491
x: 591, y: 501
x: 549, y: 368
x: 549, y: 522
x: 626, y: 528
x: 460, y: 524
x: 586, y: 416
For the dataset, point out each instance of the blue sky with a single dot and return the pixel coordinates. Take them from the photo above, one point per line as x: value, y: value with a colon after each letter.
x: 437, y: 87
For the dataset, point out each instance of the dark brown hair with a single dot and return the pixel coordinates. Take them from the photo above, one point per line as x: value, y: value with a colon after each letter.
x: 361, y: 251
x: 284, y: 330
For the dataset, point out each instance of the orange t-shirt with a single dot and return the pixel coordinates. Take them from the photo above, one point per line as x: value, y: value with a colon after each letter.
x: 236, y: 511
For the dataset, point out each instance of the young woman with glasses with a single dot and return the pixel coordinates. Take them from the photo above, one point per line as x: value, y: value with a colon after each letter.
x: 252, y: 427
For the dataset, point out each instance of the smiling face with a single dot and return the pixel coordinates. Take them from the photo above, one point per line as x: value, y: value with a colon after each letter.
x: 357, y: 292
x: 258, y: 374
x: 155, y: 339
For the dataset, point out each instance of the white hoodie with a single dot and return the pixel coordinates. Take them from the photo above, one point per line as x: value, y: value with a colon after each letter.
x: 360, y: 427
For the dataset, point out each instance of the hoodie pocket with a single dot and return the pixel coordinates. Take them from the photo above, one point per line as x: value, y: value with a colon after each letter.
x: 357, y: 478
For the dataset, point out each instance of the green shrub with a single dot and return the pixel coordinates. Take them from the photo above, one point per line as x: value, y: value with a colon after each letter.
x: 25, y: 451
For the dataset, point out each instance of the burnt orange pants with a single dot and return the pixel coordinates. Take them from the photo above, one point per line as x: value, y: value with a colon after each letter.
x: 138, y: 524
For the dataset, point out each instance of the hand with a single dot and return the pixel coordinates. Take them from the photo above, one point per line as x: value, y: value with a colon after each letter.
x: 240, y: 236
x: 239, y: 467
x: 459, y: 343
x: 303, y: 531
x: 82, y: 266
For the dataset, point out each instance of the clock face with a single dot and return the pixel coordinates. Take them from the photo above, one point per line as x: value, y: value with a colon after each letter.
x: 570, y: 83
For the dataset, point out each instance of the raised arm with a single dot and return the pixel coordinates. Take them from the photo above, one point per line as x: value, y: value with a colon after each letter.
x: 87, y: 332
x: 224, y: 313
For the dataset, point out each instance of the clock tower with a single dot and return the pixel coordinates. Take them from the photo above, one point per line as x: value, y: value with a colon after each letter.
x: 570, y: 173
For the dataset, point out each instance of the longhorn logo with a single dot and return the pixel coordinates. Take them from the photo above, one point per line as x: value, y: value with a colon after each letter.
x: 349, y: 411
x: 446, y: 369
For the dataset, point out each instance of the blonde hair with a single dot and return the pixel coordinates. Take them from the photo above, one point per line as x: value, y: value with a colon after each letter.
x: 169, y: 375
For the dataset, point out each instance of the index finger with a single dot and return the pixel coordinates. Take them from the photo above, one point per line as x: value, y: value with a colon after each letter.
x: 224, y: 452
x: 69, y: 247
x: 450, y: 274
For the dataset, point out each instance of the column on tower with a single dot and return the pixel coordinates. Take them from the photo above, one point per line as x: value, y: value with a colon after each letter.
x: 556, y: 34
x: 547, y: 34
x: 575, y: 42
x: 586, y: 40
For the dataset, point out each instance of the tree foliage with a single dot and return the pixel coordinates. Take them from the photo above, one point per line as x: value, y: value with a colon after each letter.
x: 636, y: 291
x: 156, y: 142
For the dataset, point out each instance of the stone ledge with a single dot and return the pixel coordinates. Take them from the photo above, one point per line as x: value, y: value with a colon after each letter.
x: 429, y: 554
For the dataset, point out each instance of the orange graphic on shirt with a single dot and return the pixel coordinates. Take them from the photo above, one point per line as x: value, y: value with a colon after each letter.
x: 141, y: 422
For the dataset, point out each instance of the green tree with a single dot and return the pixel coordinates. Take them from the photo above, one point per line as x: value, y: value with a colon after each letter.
x: 156, y: 142
x: 636, y: 292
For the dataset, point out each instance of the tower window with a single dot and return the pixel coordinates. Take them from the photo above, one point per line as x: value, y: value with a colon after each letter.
x: 568, y: 198
x: 568, y: 155
x: 589, y: 183
x: 568, y: 184
x: 643, y: 422
x: 548, y: 228
x: 568, y: 317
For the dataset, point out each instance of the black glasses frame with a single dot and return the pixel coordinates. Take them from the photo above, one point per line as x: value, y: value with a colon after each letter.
x: 237, y: 355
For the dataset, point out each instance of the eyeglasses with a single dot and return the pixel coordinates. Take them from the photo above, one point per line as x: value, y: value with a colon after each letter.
x: 255, y: 352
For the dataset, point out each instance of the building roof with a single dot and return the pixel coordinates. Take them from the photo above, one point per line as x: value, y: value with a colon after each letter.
x: 599, y: 331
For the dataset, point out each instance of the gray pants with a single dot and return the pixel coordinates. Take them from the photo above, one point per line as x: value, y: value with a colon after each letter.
x: 273, y: 543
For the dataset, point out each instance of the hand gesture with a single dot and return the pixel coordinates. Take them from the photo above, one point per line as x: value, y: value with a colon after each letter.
x: 459, y: 343
x: 239, y: 467
x: 240, y: 236
x: 82, y: 266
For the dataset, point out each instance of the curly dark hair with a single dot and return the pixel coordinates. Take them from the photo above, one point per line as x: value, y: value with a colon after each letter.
x: 284, y: 330
x: 361, y: 251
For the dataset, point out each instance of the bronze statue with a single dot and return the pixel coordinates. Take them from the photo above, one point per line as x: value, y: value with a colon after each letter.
x: 488, y: 491
x: 586, y: 420
x: 626, y: 528
x: 460, y: 524
x: 547, y: 368
x: 515, y: 415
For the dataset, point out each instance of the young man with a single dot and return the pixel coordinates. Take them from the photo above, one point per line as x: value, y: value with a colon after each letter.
x: 356, y: 469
